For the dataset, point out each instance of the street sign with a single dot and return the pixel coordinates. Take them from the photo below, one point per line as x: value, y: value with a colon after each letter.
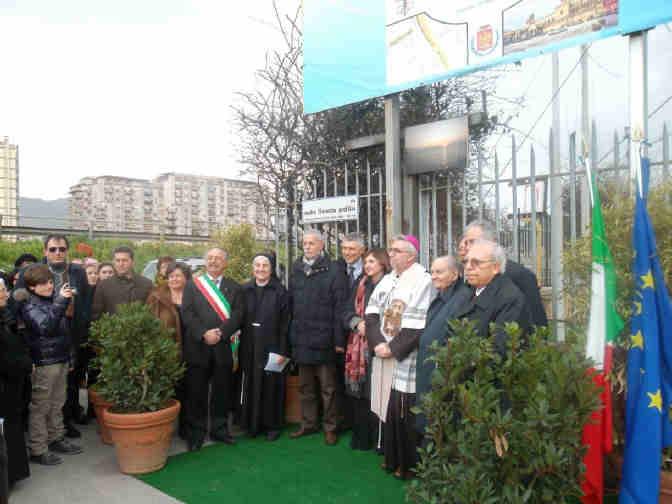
x: 340, y: 208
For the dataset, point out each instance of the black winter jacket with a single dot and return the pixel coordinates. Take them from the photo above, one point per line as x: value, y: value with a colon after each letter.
x: 317, y: 300
x: 47, y: 331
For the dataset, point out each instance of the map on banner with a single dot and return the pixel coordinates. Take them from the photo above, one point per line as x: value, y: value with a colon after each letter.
x: 426, y: 38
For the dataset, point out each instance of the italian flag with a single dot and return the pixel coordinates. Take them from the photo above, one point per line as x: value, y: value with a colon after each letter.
x: 603, y: 328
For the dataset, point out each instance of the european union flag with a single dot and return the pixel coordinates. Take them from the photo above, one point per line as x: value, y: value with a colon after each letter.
x: 649, y: 372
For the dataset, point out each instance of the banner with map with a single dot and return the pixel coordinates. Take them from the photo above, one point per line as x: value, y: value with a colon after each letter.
x: 354, y: 50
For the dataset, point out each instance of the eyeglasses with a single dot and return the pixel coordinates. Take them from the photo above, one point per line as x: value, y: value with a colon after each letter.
x: 477, y: 263
x: 57, y: 249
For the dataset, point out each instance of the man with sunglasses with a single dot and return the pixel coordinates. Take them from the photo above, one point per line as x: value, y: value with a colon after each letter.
x: 495, y: 298
x: 56, y: 248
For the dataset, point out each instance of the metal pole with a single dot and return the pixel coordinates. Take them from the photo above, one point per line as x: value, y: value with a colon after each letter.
x: 381, y: 221
x: 498, y: 221
x: 480, y: 182
x: 393, y: 166
x: 557, y: 235
x: 449, y: 214
x: 345, y: 192
x: 666, y: 154
x: 638, y: 100
x: 533, y: 210
x: 514, y: 196
x: 435, y: 229
x: 464, y: 201
x: 324, y: 183
x: 359, y: 200
x: 585, y: 137
x: 572, y: 187
x: 617, y: 152
x: 368, y: 199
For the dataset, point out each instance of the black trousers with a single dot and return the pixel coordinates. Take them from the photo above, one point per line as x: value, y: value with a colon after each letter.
x: 203, y: 404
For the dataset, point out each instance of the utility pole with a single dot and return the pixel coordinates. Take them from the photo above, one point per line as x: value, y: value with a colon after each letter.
x: 557, y: 217
x: 393, y: 196
x: 638, y: 102
x: 586, y: 137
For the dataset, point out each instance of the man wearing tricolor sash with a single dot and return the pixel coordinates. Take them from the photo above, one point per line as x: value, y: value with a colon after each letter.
x: 212, y: 309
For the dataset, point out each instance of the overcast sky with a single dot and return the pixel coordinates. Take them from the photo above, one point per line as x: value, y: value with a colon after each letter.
x: 125, y: 87
x: 141, y: 87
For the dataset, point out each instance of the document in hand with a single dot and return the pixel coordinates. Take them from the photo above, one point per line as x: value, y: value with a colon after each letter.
x: 273, y: 365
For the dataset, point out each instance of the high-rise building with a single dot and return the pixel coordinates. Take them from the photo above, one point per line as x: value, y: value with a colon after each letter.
x: 113, y: 204
x: 9, y: 183
x: 172, y: 203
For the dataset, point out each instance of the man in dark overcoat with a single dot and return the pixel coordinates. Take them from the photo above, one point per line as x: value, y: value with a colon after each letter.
x: 213, y: 309
x: 522, y: 277
x: 495, y: 298
x: 317, y: 296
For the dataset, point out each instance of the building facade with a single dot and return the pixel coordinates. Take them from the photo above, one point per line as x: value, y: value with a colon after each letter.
x: 172, y: 203
x: 9, y: 183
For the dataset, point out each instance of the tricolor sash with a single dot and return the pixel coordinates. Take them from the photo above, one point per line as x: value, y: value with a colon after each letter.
x: 214, y: 296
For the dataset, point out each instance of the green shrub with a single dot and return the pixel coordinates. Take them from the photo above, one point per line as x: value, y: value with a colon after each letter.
x: 504, y: 430
x: 241, y: 245
x: 138, y: 359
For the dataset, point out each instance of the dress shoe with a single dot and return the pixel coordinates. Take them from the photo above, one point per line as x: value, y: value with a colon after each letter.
x: 225, y: 438
x: 331, y: 438
x: 65, y: 447
x: 194, y: 444
x: 272, y: 435
x: 302, y: 432
x: 46, y: 459
x: 71, y: 431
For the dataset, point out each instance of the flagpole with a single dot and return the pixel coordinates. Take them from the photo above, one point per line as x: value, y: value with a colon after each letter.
x: 638, y: 85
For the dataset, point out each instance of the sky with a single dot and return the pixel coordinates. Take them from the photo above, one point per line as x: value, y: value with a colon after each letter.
x: 129, y: 88
x: 138, y: 88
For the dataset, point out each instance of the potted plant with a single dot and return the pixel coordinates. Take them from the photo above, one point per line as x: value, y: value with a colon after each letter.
x: 99, y: 404
x: 139, y: 368
x: 504, y: 429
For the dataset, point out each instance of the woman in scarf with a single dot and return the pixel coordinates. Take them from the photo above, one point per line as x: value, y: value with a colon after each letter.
x: 357, y: 355
x: 262, y: 396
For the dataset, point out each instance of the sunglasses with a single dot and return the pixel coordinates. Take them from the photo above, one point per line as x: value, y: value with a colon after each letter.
x: 57, y: 249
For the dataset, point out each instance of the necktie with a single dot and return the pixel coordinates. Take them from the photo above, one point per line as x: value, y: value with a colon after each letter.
x: 351, y: 274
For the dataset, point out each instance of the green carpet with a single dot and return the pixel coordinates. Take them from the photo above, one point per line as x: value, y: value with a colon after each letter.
x: 297, y: 471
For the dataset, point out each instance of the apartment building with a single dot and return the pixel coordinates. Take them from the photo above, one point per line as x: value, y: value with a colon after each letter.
x: 9, y: 183
x: 171, y: 203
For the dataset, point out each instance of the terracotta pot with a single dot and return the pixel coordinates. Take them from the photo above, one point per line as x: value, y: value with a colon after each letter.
x: 99, y: 404
x: 292, y: 400
x: 665, y: 487
x: 142, y: 440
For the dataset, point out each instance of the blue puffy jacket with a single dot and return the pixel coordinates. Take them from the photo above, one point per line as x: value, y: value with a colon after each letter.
x: 47, y: 331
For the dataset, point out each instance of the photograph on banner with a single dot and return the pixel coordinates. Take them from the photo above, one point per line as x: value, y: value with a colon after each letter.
x: 338, y: 208
x: 530, y: 23
x: 431, y: 37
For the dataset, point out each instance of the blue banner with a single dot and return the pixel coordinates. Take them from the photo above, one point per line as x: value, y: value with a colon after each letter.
x: 355, y: 50
x: 648, y: 428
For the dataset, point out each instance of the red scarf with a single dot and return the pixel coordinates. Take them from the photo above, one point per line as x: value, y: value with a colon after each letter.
x: 357, y: 354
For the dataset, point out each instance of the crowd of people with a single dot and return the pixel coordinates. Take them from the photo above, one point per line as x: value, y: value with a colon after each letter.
x: 358, y: 329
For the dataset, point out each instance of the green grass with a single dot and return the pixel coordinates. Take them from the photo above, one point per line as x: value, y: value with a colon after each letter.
x: 300, y: 471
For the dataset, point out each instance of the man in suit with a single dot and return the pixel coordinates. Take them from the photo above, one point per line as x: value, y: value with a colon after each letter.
x: 351, y: 265
x: 495, y: 298
x: 524, y: 279
x: 213, y: 310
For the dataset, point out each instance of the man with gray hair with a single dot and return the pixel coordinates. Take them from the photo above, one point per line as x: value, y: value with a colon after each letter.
x: 213, y: 308
x: 317, y: 293
x: 524, y: 279
x: 495, y: 298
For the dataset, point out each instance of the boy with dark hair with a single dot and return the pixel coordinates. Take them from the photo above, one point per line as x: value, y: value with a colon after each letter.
x: 47, y: 335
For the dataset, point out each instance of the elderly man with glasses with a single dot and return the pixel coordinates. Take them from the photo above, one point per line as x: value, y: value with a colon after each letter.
x: 495, y: 298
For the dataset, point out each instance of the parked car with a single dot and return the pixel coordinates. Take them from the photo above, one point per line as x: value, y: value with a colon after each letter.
x: 195, y: 263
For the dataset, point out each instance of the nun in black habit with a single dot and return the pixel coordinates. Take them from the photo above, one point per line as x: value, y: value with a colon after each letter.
x: 262, y: 395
